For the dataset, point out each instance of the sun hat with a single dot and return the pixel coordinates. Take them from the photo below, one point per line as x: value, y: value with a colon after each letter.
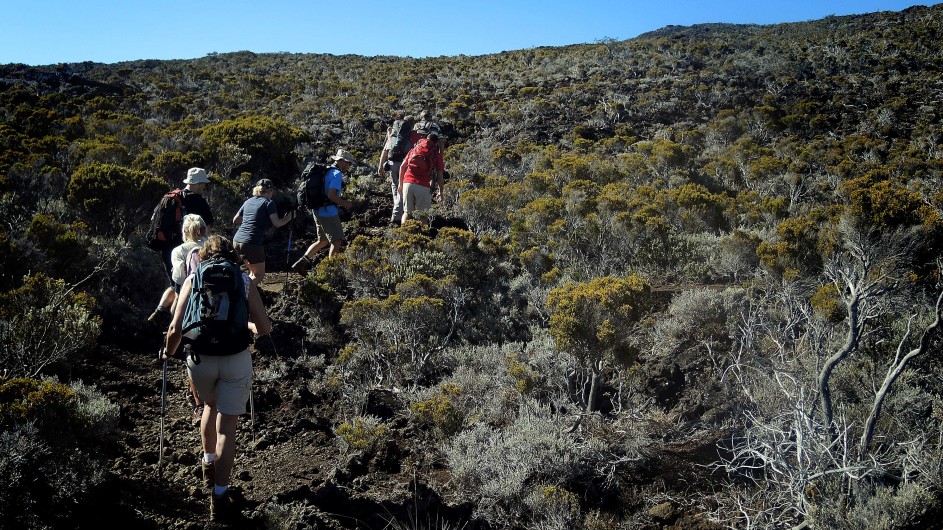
x: 196, y: 175
x: 343, y: 155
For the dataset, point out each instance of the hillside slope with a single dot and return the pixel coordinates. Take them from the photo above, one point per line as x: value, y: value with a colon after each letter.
x: 673, y: 284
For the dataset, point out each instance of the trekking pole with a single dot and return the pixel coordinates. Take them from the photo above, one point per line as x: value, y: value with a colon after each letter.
x: 252, y: 412
x: 163, y: 402
x: 288, y: 252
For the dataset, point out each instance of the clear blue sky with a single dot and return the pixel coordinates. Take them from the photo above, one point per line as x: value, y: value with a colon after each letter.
x: 40, y: 32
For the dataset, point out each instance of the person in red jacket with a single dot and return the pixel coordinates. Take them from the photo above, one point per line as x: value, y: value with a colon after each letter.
x: 422, y: 165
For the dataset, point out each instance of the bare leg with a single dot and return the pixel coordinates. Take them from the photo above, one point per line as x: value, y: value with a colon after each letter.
x: 337, y: 248
x: 167, y: 298
x: 225, y: 447
x: 208, y: 427
x: 256, y: 272
x: 314, y: 248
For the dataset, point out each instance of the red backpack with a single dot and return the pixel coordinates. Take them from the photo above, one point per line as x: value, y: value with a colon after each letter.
x: 166, y: 221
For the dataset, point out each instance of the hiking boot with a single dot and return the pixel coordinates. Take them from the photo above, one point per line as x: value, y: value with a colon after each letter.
x: 160, y: 317
x: 301, y: 266
x: 209, y: 473
x: 223, y: 509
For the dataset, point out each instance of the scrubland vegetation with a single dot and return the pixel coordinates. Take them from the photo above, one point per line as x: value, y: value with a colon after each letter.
x: 692, y: 279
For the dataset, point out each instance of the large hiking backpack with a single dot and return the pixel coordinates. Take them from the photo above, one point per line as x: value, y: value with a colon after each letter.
x: 166, y: 221
x: 402, y: 130
x: 421, y: 163
x: 312, y: 192
x: 216, y: 318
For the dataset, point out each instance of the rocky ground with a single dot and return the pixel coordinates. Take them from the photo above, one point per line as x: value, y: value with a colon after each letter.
x: 289, y: 471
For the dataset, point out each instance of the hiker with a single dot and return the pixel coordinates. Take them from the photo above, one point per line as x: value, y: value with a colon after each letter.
x: 254, y: 217
x: 223, y: 378
x: 424, y: 127
x: 422, y: 163
x: 327, y: 218
x: 185, y: 259
x: 192, y: 201
x: 398, y: 142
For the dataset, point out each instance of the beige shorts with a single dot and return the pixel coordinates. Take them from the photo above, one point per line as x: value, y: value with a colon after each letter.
x: 329, y: 228
x: 418, y: 198
x: 225, y: 379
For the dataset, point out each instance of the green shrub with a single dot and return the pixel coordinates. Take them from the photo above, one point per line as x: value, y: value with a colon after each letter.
x: 50, y: 449
x: 500, y: 468
x: 440, y: 411
x: 362, y: 434
x: 115, y: 200
x: 43, y: 325
x: 596, y: 322
x: 65, y: 247
x: 267, y: 144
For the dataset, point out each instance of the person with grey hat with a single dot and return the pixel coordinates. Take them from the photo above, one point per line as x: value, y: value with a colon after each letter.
x: 254, y: 217
x: 327, y: 218
x: 192, y: 202
x: 426, y: 126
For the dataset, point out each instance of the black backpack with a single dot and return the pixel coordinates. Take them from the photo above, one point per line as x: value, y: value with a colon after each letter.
x: 166, y: 221
x: 312, y: 193
x: 402, y: 130
x: 216, y: 318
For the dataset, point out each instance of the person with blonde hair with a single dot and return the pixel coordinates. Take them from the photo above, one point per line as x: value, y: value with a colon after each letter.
x: 254, y: 217
x: 221, y: 370
x: 184, y: 259
x: 192, y: 202
x: 194, y: 235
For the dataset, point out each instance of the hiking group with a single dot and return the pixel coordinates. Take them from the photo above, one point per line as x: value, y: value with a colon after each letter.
x: 212, y: 310
x: 412, y: 159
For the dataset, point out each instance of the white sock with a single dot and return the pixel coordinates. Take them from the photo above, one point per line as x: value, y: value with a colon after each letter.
x: 209, y: 458
x: 219, y: 490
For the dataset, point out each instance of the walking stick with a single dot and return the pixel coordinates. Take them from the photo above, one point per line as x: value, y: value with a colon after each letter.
x: 288, y: 253
x: 163, y: 402
x: 252, y: 411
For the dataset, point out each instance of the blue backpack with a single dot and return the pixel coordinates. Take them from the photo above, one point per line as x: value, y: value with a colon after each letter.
x: 216, y: 318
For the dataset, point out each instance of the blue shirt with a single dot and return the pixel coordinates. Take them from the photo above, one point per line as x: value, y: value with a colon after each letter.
x: 256, y: 219
x: 333, y: 179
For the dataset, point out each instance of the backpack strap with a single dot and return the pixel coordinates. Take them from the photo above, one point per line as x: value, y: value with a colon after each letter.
x: 191, y: 262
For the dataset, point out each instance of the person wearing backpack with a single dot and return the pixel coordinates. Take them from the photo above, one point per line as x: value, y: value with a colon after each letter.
x: 254, y: 218
x: 185, y: 259
x: 212, y: 321
x: 398, y: 142
x: 422, y: 164
x: 327, y: 218
x: 424, y: 127
x: 188, y: 200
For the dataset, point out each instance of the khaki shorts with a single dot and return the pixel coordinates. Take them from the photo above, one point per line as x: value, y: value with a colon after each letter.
x: 251, y: 253
x: 330, y: 229
x: 418, y: 198
x: 225, y: 379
